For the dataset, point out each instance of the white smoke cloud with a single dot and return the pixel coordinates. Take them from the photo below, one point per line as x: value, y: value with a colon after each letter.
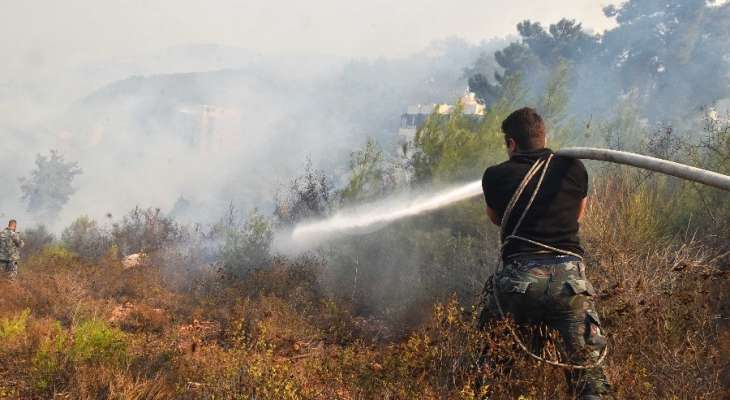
x: 118, y: 88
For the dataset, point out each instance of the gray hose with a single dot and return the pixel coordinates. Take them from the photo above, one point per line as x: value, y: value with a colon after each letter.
x: 709, y: 178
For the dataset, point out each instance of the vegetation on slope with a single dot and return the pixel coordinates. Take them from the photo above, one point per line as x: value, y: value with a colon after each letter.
x: 214, y: 312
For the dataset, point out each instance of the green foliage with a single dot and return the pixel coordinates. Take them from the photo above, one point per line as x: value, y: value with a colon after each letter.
x: 307, y: 196
x: 96, y: 342
x: 654, y: 48
x: 625, y: 127
x: 57, y: 255
x: 536, y: 56
x: 50, y: 359
x: 665, y: 63
x: 369, y: 177
x: 248, y: 247
x: 456, y: 147
x: 553, y: 105
x: 676, y: 206
x: 86, y: 239
x: 266, y: 379
x: 11, y: 328
x: 705, y: 207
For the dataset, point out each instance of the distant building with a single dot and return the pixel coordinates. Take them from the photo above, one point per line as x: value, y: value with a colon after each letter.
x: 415, y: 116
x: 213, y: 128
x: 471, y: 105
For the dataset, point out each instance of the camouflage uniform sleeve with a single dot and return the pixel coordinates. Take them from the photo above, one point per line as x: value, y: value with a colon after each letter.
x: 19, y: 243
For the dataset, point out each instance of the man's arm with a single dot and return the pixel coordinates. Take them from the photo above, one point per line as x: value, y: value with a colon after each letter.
x: 17, y: 240
x: 490, y: 211
x: 582, y: 181
x: 582, y: 209
x: 493, y: 216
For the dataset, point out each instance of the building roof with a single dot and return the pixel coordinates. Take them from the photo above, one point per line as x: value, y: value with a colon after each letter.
x: 468, y: 102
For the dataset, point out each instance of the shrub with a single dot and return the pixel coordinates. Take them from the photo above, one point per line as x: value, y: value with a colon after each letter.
x: 49, y: 361
x: 308, y: 196
x: 86, y: 239
x: 145, y: 231
x: 11, y: 328
x: 56, y: 256
x: 370, y: 175
x: 95, y: 341
x: 36, y: 239
x: 266, y: 379
x: 247, y: 248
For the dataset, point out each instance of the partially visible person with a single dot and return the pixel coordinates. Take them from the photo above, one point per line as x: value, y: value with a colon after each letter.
x: 538, y: 199
x: 10, y: 245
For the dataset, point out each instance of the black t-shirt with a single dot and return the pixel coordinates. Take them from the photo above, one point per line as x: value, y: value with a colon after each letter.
x: 553, y: 217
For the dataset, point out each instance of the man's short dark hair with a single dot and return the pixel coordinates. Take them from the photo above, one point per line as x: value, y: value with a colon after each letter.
x: 12, y: 221
x: 526, y: 128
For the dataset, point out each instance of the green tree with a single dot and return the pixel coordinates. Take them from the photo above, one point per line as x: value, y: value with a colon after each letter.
x: 553, y: 105
x: 49, y: 186
x: 673, y: 52
x: 307, y: 196
x: 536, y: 56
x: 247, y: 248
x: 369, y: 175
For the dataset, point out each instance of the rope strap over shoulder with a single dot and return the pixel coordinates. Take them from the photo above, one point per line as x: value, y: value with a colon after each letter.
x: 540, y: 166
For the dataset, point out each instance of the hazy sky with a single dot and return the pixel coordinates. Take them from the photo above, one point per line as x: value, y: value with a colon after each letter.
x: 46, y: 31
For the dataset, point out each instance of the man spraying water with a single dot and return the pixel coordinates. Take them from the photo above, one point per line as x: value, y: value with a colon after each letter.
x: 538, y: 199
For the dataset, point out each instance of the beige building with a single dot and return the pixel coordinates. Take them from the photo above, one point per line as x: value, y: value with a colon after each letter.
x: 416, y: 116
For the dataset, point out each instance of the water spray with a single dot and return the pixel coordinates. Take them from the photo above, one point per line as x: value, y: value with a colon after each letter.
x: 364, y: 218
x: 372, y: 216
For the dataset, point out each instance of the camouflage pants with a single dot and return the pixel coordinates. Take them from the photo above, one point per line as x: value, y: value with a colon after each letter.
x: 10, y: 268
x: 554, y: 292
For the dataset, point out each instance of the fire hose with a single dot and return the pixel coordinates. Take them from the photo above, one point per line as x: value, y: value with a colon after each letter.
x: 678, y: 170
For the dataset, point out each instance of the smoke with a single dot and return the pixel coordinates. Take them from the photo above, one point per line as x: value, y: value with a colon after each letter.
x: 192, y: 129
x: 218, y: 136
x: 122, y: 91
